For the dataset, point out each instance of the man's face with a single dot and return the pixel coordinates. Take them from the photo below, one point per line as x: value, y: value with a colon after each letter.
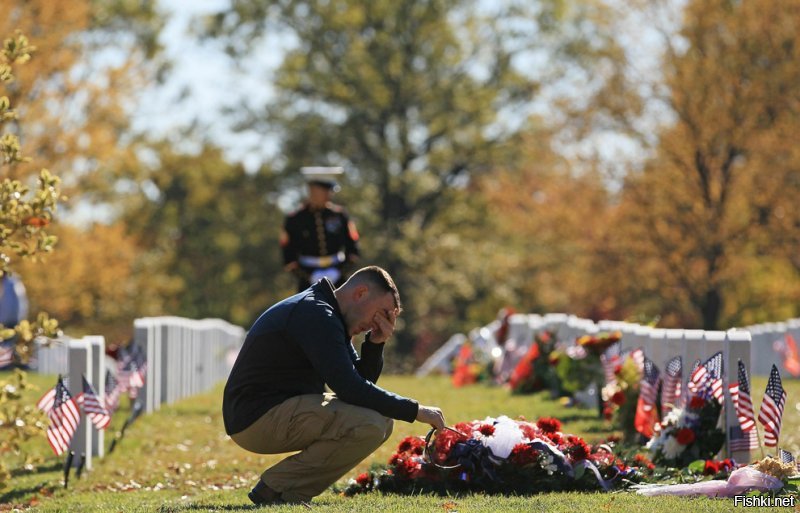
x: 365, y: 307
x: 319, y: 193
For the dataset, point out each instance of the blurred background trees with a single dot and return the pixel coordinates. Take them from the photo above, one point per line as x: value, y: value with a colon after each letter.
x: 481, y: 143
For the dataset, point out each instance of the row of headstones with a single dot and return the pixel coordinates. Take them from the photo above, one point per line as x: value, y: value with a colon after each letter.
x: 753, y: 345
x: 184, y: 357
x: 660, y: 345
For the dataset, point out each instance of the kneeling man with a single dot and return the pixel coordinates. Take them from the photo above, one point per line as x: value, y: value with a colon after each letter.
x: 275, y: 398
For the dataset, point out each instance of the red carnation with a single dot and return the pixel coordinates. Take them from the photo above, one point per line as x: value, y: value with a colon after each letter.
x: 549, y: 424
x: 523, y: 454
x: 685, y: 436
x: 408, y: 468
x: 577, y: 448
x: 363, y: 479
x: 608, y: 412
x: 486, y: 429
x: 405, y: 444
x: 711, y: 468
x: 556, y: 438
x: 528, y: 430
x: 696, y: 403
x: 618, y: 398
x: 643, y: 461
x: 727, y: 465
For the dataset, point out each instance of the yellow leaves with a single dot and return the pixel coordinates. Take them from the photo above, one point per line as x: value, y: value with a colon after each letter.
x: 17, y: 49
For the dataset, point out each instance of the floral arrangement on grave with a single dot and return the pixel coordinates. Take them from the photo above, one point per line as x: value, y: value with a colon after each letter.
x: 470, y: 366
x: 620, y: 397
x: 598, y: 344
x: 688, y: 434
x: 536, y: 369
x: 496, y: 455
x: 578, y: 368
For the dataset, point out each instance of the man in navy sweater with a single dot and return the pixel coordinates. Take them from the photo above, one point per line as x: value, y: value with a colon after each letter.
x: 275, y: 400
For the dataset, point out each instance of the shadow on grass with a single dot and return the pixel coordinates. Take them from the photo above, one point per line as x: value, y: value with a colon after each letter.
x: 19, y: 493
x: 215, y: 507
x: 38, y: 470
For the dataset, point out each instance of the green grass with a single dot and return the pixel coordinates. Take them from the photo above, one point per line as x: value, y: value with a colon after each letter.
x: 179, y: 460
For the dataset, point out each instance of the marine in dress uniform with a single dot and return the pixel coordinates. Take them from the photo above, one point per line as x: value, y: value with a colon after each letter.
x: 319, y: 239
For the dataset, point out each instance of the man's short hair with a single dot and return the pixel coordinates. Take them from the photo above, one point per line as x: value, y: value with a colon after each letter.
x: 379, y: 278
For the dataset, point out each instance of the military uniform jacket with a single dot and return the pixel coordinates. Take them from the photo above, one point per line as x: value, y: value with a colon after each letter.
x: 319, y: 233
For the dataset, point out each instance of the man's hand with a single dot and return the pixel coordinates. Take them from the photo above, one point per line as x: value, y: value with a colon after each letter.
x: 382, y: 326
x: 431, y: 415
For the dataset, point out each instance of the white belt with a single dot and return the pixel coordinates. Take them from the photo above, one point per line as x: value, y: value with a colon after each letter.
x: 321, y: 261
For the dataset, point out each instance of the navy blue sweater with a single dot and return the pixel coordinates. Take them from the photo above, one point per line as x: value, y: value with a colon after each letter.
x: 297, y: 347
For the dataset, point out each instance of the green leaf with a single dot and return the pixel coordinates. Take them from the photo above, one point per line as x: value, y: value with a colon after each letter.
x: 697, y: 466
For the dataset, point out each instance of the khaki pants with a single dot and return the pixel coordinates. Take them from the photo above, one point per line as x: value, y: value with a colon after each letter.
x: 331, y: 435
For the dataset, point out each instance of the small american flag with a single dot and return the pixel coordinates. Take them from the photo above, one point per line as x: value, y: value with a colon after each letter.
x: 742, y: 402
x: 45, y: 403
x: 690, y: 385
x: 112, y: 392
x: 785, y: 456
x: 708, y: 378
x: 93, y: 407
x: 648, y: 388
x: 739, y: 440
x: 771, y: 413
x: 131, y: 370
x: 64, y: 418
x: 671, y: 388
x: 610, y: 359
x: 637, y: 355
x: 6, y: 355
x: 646, y: 414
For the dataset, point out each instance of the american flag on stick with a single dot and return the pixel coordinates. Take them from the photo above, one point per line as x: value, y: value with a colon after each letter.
x: 610, y: 359
x: 93, y: 407
x: 671, y: 387
x: 742, y: 402
x: 739, y: 440
x: 45, y: 403
x: 785, y: 456
x: 771, y: 413
x: 64, y: 419
x: 646, y: 415
x: 132, y: 368
x: 6, y: 355
x: 708, y: 377
x: 112, y: 392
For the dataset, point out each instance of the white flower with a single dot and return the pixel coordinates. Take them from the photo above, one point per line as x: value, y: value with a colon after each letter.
x: 672, y: 449
x: 548, y: 464
x: 654, y: 443
x: 672, y: 418
x: 506, y: 435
